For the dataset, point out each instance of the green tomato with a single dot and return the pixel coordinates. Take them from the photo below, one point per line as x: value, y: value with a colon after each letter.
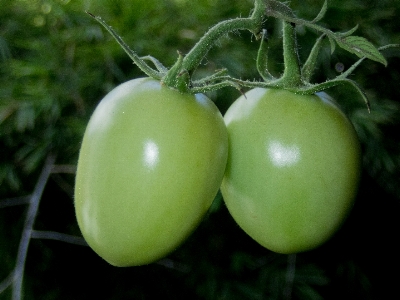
x: 293, y: 168
x: 151, y: 162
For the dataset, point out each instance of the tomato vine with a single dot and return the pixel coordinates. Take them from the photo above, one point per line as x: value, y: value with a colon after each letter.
x: 294, y: 78
x: 179, y: 75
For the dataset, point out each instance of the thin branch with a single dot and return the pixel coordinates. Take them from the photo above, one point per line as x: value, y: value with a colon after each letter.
x: 29, y: 222
x: 68, y: 169
x: 7, y: 282
x: 132, y: 54
x: 160, y: 67
x: 199, y: 51
x: 170, y: 264
x: 15, y: 201
x: 290, y: 273
x: 262, y: 57
x: 52, y: 235
x: 63, y: 184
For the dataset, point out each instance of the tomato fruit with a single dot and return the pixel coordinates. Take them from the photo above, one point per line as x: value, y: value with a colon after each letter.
x: 293, y: 168
x: 151, y: 162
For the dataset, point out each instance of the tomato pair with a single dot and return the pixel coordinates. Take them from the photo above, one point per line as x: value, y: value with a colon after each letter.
x: 152, y: 160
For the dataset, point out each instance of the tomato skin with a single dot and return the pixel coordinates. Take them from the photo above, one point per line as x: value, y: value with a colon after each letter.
x: 151, y: 162
x: 293, y: 168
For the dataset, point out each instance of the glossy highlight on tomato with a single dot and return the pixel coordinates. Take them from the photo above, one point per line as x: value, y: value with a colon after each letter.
x: 293, y: 168
x: 151, y: 162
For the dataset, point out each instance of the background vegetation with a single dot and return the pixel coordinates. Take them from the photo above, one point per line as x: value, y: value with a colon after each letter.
x: 56, y: 63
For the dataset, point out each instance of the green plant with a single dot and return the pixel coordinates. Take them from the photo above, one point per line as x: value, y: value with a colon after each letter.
x: 295, y: 234
x: 55, y: 64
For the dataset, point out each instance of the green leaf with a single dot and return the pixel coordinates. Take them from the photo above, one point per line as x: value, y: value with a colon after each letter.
x: 322, y: 12
x: 13, y: 180
x: 333, y: 44
x: 25, y: 118
x: 33, y: 160
x: 347, y: 33
x: 5, y: 52
x: 9, y: 177
x: 309, y: 66
x: 354, y: 44
x: 6, y: 111
x: 361, y: 47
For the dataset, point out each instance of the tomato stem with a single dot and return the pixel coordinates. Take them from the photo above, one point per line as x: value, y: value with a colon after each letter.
x: 253, y: 24
x: 132, y: 54
x: 193, y: 59
x: 291, y: 76
x: 294, y: 78
x: 177, y: 77
x: 354, y: 44
x: 309, y: 66
x: 262, y: 58
x: 290, y: 275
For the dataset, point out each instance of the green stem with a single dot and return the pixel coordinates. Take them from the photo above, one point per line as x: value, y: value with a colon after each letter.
x: 292, y: 75
x: 291, y: 18
x: 193, y: 59
x: 253, y: 24
x: 309, y: 66
x: 132, y: 54
x: 290, y: 276
x: 262, y: 58
x: 357, y: 63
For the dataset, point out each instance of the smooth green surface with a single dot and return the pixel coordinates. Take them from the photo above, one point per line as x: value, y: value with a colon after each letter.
x: 150, y: 165
x: 293, y: 168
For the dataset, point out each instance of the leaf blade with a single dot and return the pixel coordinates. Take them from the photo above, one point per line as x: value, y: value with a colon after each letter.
x: 347, y: 33
x: 361, y: 47
x: 321, y: 13
x: 332, y: 43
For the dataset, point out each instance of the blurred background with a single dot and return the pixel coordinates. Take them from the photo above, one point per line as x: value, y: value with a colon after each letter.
x: 56, y: 63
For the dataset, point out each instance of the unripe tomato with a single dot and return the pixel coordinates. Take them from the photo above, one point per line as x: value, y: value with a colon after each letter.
x: 293, y: 168
x: 151, y: 162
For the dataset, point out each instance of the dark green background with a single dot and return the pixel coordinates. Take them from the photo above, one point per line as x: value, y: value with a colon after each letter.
x: 56, y: 63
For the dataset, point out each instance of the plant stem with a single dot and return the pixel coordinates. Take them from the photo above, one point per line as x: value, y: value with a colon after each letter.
x: 193, y: 59
x: 58, y: 236
x: 291, y: 18
x: 309, y: 66
x: 253, y: 24
x: 292, y: 74
x: 290, y: 274
x: 262, y: 58
x: 29, y: 222
x: 132, y: 54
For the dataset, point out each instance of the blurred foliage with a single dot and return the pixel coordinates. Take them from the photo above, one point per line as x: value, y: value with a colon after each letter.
x: 56, y: 63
